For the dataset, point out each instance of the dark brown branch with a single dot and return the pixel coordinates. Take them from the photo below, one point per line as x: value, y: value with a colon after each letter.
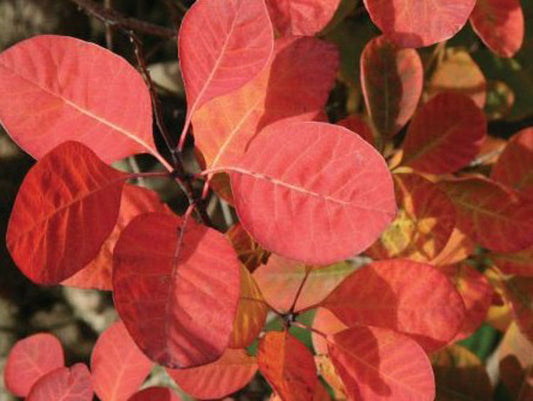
x: 118, y: 20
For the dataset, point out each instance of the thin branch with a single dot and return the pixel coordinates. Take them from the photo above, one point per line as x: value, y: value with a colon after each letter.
x: 118, y: 20
x: 297, y: 296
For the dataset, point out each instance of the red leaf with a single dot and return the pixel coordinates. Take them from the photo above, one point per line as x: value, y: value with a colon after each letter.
x: 378, y: 364
x: 327, y: 323
x: 66, y: 208
x: 301, y: 17
x: 118, y: 366
x: 65, y: 384
x: 519, y: 292
x: 308, y: 197
x: 491, y: 214
x: 155, y: 394
x: 294, y: 85
x: 458, y: 248
x: 392, y: 80
x: 445, y: 134
x: 103, y: 103
x: 29, y: 360
x: 419, y: 23
x: 356, y: 124
x: 97, y: 274
x: 519, y: 263
x: 500, y: 25
x: 176, y: 288
x: 515, y: 165
x: 249, y: 252
x: 388, y: 294
x: 288, y: 365
x: 222, y: 45
x: 230, y: 373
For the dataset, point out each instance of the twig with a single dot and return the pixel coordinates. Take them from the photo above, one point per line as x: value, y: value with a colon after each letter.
x: 300, y: 288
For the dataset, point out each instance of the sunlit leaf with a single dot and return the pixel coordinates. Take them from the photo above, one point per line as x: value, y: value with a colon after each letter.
x: 388, y: 294
x: 458, y: 248
x: 66, y: 207
x: 176, y: 288
x: 329, y: 374
x: 29, y: 360
x: 118, y: 367
x: 215, y: 380
x: 155, y: 393
x: 392, y: 80
x: 103, y: 103
x: 445, y: 134
x: 308, y: 198
x: 379, y: 364
x: 65, y: 384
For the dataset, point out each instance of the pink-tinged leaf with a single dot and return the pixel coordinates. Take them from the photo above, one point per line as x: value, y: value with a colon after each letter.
x: 295, y: 85
x: 327, y: 323
x: 176, y: 288
x: 477, y: 294
x: 388, y: 294
x: 491, y: 214
x: 280, y: 281
x: 392, y: 80
x: 230, y: 373
x: 301, y: 17
x: 222, y: 44
x: 423, y: 225
x: 97, y: 274
x: 309, y: 197
x: 378, y: 364
x: 514, y: 167
x: 29, y: 360
x: 52, y: 94
x: 445, y: 134
x: 356, y: 124
x: 66, y: 207
x: 519, y: 263
x: 118, y: 366
x: 419, y: 23
x: 155, y: 394
x: 500, y: 25
x: 288, y: 365
x: 63, y: 384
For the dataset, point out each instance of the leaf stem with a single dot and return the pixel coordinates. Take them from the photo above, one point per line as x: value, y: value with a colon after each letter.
x: 304, y: 326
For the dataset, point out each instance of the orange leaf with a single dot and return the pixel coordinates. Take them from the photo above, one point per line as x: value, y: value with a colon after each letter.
x: 458, y: 248
x: 329, y: 374
x: 249, y: 251
x: 327, y: 323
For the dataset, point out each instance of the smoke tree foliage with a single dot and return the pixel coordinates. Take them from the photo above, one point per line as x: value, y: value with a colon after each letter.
x: 410, y: 179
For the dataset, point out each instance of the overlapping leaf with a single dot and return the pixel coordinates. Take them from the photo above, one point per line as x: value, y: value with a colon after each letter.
x: 445, y: 134
x: 388, y: 294
x: 226, y: 375
x: 219, y: 55
x: 329, y: 374
x: 176, y: 288
x: 301, y: 17
x: 327, y: 323
x: 294, y: 85
x: 423, y: 225
x: 309, y: 214
x: 356, y: 124
x: 491, y: 214
x: 29, y: 360
x: 420, y: 23
x: 392, y: 80
x: 155, y: 393
x: 288, y: 365
x: 500, y: 25
x: 103, y: 103
x: 519, y: 292
x: 66, y: 207
x: 519, y: 263
x: 249, y: 252
x: 118, y: 367
x: 379, y: 364
x: 65, y: 384
x: 97, y: 274
x: 457, y: 249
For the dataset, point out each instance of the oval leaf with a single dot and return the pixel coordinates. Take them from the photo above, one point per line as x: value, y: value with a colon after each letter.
x: 500, y: 25
x: 65, y: 384
x: 222, y: 45
x: 230, y: 373
x: 118, y: 366
x: 288, y: 365
x: 301, y: 17
x: 103, y: 103
x: 378, y: 364
x: 308, y: 197
x: 66, y: 208
x: 388, y: 293
x: 445, y: 134
x: 392, y: 80
x: 419, y: 23
x: 176, y: 288
x: 155, y: 394
x: 29, y: 360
